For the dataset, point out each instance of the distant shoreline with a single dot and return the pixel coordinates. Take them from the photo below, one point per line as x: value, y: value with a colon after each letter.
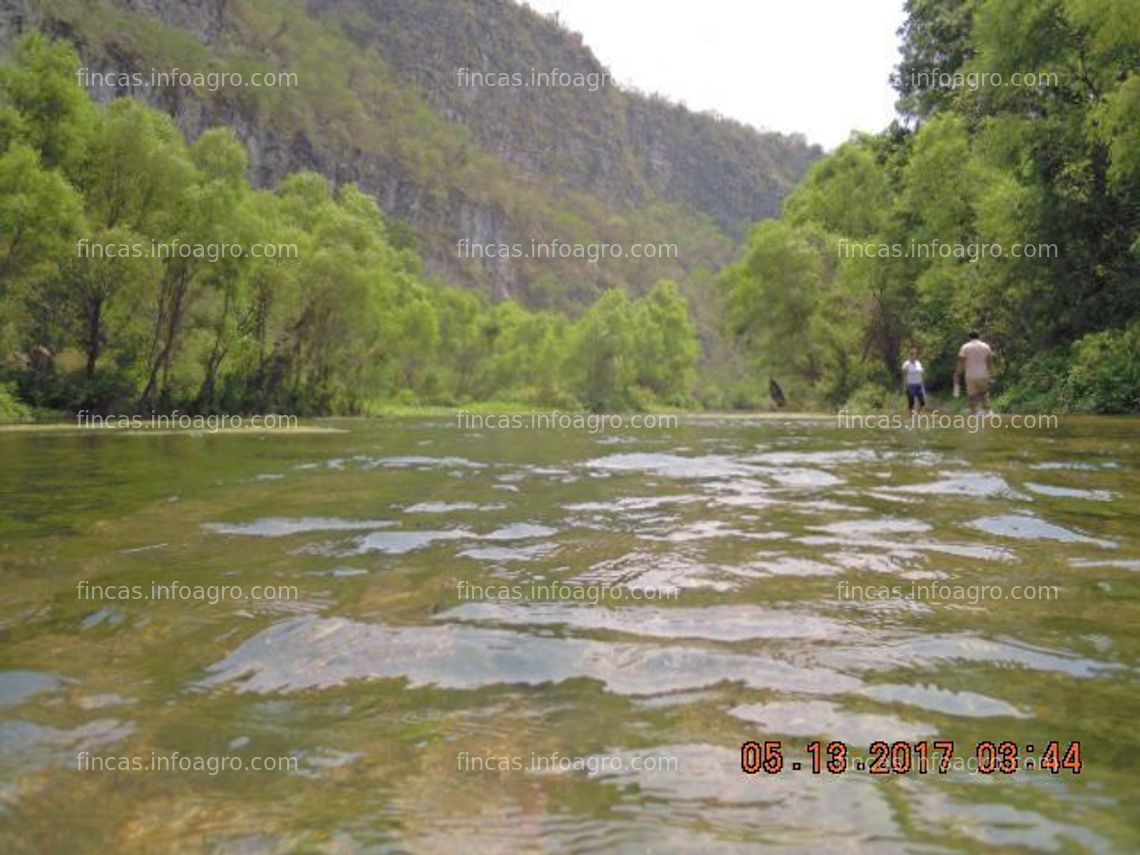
x: 318, y: 424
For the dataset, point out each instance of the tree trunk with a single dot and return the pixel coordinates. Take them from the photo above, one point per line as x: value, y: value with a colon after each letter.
x: 94, y: 334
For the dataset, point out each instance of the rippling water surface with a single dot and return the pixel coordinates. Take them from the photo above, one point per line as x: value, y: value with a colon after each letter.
x: 465, y: 599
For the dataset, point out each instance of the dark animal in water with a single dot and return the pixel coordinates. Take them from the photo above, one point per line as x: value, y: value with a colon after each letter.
x: 777, y: 393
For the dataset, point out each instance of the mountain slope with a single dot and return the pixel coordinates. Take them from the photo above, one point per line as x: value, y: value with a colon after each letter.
x: 379, y: 101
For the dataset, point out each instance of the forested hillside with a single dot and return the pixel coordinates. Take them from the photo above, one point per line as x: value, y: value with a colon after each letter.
x: 161, y: 278
x: 238, y: 249
x: 1006, y: 198
x: 379, y: 101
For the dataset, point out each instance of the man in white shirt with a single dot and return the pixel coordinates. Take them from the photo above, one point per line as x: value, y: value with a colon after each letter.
x: 975, y: 360
x: 912, y: 382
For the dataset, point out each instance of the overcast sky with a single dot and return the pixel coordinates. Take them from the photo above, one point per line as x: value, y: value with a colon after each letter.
x: 819, y: 67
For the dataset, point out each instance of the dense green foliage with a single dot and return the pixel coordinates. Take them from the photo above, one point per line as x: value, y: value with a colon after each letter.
x: 338, y: 320
x: 1006, y: 206
x: 377, y: 101
x: 1050, y: 171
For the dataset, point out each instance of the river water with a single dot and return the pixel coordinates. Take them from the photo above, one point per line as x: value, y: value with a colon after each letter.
x: 416, y: 637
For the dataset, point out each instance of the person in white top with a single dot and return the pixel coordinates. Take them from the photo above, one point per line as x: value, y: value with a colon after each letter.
x: 975, y: 361
x: 912, y: 382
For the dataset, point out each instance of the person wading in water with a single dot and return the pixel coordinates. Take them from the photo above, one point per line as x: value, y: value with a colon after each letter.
x: 975, y: 360
x: 912, y: 384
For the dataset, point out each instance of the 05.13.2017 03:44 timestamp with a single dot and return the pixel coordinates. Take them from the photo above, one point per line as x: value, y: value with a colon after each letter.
x: 924, y: 757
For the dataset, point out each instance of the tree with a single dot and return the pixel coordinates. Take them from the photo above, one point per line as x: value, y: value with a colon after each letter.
x: 603, y: 356
x: 42, y: 105
x: 667, y: 345
x: 41, y: 216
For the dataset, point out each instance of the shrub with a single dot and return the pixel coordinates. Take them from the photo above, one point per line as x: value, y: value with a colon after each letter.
x: 12, y: 408
x: 1105, y: 373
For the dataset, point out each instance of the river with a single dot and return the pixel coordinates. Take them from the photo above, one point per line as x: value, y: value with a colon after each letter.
x: 432, y: 638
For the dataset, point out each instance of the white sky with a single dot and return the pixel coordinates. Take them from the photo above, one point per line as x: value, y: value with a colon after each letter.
x: 817, y: 67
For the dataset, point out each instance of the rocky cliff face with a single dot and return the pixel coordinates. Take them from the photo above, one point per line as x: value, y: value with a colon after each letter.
x: 390, y: 96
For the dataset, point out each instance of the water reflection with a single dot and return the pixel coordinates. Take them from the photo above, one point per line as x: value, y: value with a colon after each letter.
x: 715, y: 564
